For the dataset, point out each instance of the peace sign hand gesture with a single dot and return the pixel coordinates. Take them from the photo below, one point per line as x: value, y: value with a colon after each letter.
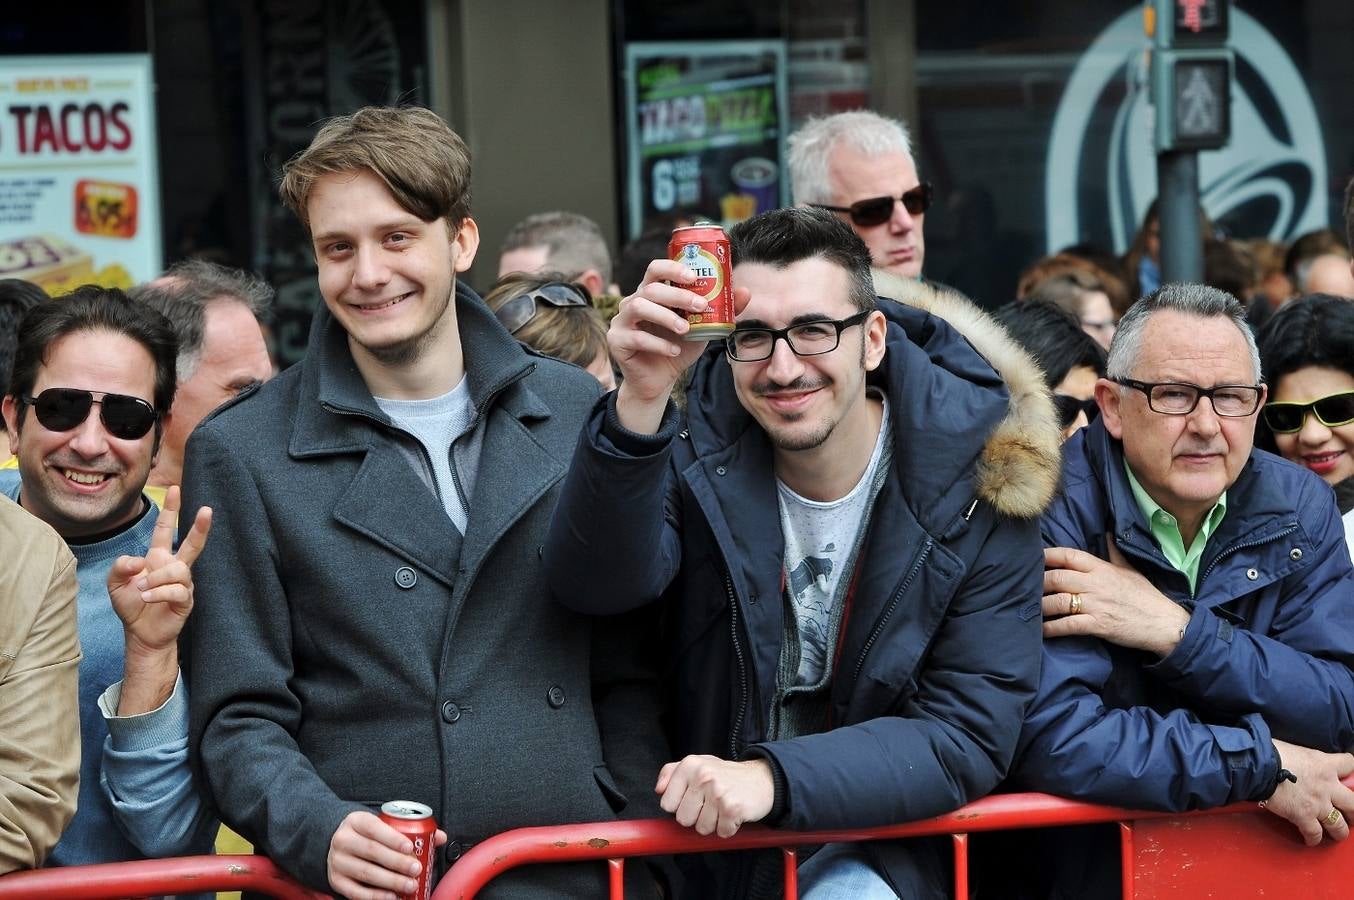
x: 153, y: 594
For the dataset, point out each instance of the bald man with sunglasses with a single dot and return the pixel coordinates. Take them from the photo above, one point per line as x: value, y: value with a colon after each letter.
x: 859, y: 165
x: 93, y: 378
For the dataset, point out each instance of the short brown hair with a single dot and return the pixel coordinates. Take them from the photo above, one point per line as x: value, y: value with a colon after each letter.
x: 425, y: 164
x: 574, y: 334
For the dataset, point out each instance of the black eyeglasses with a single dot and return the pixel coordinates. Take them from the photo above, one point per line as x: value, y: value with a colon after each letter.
x: 1172, y: 398
x: 805, y: 339
x: 61, y: 409
x: 1333, y: 410
x: 877, y: 210
x: 522, y: 309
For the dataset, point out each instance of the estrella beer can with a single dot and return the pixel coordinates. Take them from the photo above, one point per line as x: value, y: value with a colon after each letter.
x: 414, y: 821
x: 704, y: 249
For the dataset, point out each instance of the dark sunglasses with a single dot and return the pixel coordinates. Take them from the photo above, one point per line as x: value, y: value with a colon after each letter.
x: 61, y: 409
x: 1332, y: 411
x: 1068, y: 406
x: 877, y: 210
x: 522, y: 309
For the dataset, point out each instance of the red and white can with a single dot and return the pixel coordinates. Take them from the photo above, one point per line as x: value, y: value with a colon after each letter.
x: 705, y: 250
x: 414, y: 821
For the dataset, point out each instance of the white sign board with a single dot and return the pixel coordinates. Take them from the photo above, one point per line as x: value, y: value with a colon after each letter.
x: 79, y: 179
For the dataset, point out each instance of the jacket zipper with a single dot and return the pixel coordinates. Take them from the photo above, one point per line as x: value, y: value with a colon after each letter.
x: 1244, y: 545
x: 888, y: 611
x: 742, y: 668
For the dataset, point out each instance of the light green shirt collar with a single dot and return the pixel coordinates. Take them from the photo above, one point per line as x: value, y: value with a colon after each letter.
x: 1167, y: 531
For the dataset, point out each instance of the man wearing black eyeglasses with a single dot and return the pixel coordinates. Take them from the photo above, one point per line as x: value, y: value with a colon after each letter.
x: 840, y: 576
x: 859, y: 165
x: 1198, y: 624
x: 93, y: 379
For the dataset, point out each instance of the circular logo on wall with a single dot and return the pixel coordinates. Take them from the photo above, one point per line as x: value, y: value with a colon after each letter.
x: 1101, y: 172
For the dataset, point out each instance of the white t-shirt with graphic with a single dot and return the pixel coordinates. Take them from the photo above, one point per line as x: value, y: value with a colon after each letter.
x: 819, y: 540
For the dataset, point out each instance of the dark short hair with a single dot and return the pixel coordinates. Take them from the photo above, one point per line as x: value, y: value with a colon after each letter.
x: 1297, y: 262
x: 16, y: 298
x: 1053, y: 336
x: 1316, y: 330
x: 782, y: 237
x: 183, y: 294
x: 93, y: 308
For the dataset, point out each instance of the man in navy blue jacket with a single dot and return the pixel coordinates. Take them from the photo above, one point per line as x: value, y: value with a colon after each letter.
x: 1198, y: 600
x: 840, y: 531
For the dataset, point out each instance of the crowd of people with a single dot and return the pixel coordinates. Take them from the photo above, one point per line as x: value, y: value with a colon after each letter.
x: 536, y: 558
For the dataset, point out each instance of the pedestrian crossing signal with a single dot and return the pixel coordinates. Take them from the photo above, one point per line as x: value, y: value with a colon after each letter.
x: 1191, y: 74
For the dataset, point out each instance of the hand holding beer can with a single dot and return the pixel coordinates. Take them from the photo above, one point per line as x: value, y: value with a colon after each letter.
x: 704, y: 249
x: 415, y: 821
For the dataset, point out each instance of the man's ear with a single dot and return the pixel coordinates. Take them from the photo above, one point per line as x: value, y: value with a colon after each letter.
x: 1108, y: 398
x: 876, y: 336
x: 9, y: 407
x: 593, y: 281
x: 466, y: 241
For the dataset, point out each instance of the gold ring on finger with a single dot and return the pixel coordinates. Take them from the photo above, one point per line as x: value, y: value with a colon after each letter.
x: 1074, y: 606
x: 1333, y: 817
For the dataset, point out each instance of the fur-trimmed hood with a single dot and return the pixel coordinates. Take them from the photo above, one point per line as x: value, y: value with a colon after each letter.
x: 1020, y: 465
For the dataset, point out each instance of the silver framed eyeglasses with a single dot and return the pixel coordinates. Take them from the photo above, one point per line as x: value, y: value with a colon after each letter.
x: 1173, y: 398
x: 804, y: 339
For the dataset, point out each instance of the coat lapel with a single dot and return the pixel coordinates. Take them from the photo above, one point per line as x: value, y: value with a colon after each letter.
x: 515, y: 471
x: 388, y: 503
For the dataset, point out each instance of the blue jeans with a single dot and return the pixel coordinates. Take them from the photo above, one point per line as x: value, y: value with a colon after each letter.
x: 842, y: 872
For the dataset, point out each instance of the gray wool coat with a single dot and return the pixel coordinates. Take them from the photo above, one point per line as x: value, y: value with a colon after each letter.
x: 349, y: 647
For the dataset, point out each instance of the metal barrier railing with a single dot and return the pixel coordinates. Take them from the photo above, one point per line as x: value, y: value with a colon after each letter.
x: 154, y: 877
x: 1233, y: 851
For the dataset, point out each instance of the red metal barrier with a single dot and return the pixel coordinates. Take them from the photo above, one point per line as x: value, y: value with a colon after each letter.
x: 152, y: 877
x: 1236, y: 851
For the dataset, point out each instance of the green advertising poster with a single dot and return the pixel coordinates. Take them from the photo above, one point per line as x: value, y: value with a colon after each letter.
x: 706, y: 130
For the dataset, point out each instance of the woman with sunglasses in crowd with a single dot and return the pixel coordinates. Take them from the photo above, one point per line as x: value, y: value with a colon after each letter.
x: 555, y: 317
x: 1307, y: 355
x: 1070, y: 359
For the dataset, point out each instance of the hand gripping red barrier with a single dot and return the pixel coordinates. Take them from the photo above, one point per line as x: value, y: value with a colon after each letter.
x: 153, y: 877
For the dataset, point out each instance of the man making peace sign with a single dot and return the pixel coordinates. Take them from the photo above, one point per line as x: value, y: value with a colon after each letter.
x: 93, y: 379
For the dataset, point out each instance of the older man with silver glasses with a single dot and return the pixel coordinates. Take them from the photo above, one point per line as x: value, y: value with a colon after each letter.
x: 1197, y: 618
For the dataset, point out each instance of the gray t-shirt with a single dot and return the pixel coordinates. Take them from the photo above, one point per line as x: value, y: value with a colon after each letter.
x: 820, y: 540
x: 437, y: 422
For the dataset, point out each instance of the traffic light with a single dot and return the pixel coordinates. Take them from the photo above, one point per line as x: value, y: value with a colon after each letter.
x: 1191, y: 73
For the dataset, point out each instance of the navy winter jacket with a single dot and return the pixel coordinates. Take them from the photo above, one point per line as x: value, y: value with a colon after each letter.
x: 937, y: 663
x: 1267, y: 652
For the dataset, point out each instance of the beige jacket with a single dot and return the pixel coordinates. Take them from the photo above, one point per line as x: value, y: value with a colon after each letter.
x: 39, y: 682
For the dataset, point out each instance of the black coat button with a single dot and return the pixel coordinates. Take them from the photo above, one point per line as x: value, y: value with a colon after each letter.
x: 406, y: 577
x: 453, y: 851
x: 450, y: 712
x: 555, y: 696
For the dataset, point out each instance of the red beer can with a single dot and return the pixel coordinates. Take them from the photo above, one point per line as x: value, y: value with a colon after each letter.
x: 414, y: 821
x: 705, y: 250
